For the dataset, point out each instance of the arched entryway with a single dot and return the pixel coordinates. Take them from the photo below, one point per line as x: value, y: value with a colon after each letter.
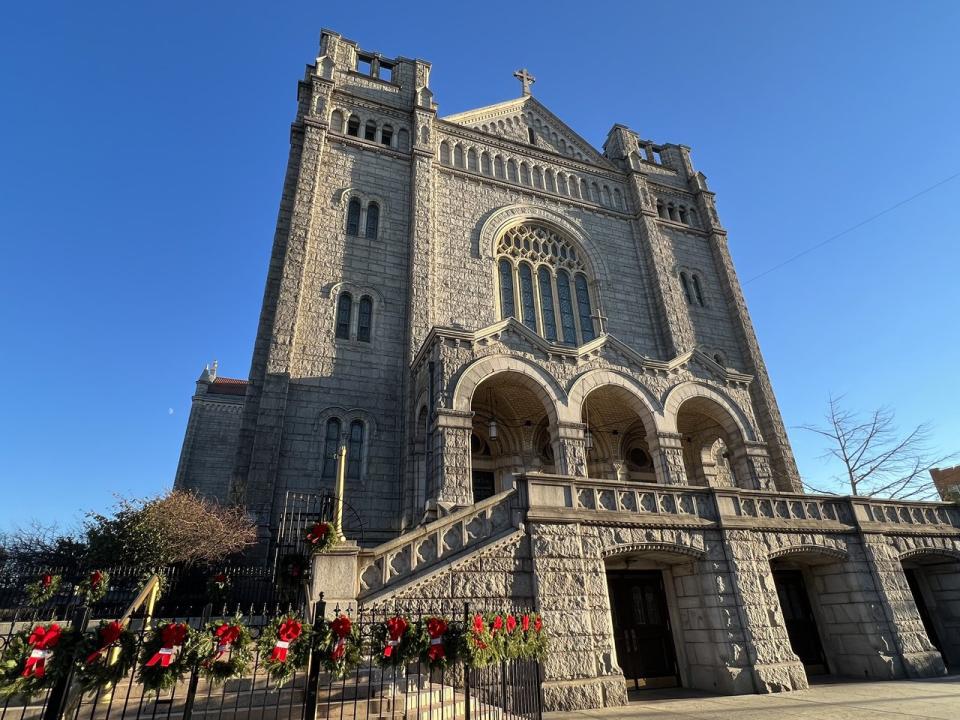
x: 617, y: 441
x: 512, y: 432
x: 712, y: 444
x: 934, y: 579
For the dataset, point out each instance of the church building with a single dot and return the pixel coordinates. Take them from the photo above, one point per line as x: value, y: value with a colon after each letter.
x: 538, y: 357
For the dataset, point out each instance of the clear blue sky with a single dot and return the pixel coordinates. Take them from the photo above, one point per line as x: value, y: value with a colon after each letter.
x: 143, y: 147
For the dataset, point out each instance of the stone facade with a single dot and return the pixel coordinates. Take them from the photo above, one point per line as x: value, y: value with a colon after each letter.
x: 539, y: 359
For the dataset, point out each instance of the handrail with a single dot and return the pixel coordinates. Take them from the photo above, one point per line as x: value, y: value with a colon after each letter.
x: 148, y: 594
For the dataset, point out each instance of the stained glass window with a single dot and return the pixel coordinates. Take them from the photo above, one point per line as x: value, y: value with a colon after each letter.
x: 506, y: 290
x: 583, y: 307
x: 527, y: 302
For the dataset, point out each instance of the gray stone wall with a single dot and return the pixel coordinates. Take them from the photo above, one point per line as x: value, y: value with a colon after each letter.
x: 210, y: 444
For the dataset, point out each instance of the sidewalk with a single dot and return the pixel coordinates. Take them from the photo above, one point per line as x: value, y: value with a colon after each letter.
x: 833, y: 700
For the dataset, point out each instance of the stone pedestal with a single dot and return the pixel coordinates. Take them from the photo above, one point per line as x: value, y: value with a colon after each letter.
x: 334, y: 573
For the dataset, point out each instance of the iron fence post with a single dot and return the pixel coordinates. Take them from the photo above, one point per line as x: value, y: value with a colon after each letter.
x: 57, y: 701
x: 195, y: 670
x: 466, y: 665
x: 316, y: 658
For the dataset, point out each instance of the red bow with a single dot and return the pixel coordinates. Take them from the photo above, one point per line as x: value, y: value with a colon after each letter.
x: 478, y: 624
x: 525, y: 623
x: 436, y: 627
x: 96, y: 577
x: 171, y: 637
x: 318, y: 533
x: 109, y: 634
x: 220, y: 578
x: 43, y: 640
x: 289, y: 631
x: 396, y: 627
x: 497, y: 623
x: 511, y: 623
x: 341, y: 628
x: 538, y: 624
x: 46, y: 580
x: 226, y: 635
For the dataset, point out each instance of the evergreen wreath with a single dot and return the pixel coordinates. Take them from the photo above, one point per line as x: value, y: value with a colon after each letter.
x: 167, y: 655
x: 441, y: 643
x: 218, y: 587
x: 514, y: 639
x: 341, y: 647
x: 293, y: 568
x: 34, y: 660
x: 228, y: 654
x: 322, y: 537
x: 94, y: 587
x: 105, y: 655
x: 43, y: 589
x: 483, y: 645
x: 284, y: 647
x: 535, y: 636
x: 398, y: 641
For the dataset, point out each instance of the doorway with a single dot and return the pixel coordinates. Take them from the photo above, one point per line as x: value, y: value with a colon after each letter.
x: 925, y: 617
x: 641, y: 628
x: 800, y: 620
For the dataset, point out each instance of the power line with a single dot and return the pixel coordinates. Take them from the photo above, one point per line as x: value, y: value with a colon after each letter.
x: 852, y: 228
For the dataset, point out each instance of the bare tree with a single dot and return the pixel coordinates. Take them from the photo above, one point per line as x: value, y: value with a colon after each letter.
x: 878, y: 460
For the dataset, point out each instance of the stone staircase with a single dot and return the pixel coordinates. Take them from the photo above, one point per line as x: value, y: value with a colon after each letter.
x: 387, y: 568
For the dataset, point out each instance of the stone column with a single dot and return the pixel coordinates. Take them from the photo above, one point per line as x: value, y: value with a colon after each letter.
x: 570, y: 449
x: 918, y: 655
x: 668, y: 459
x: 752, y: 467
x: 774, y: 665
x: 451, y: 458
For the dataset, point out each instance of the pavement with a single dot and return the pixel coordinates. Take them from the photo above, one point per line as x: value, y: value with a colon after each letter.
x: 828, y: 700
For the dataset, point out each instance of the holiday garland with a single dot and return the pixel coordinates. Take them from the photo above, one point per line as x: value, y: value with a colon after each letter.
x: 492, y: 638
x: 442, y: 644
x: 284, y: 647
x: 482, y: 646
x: 94, y: 587
x: 228, y: 653
x: 322, y: 537
x: 341, y: 647
x: 35, y: 660
x: 105, y: 655
x: 167, y: 656
x: 43, y: 589
x: 398, y: 641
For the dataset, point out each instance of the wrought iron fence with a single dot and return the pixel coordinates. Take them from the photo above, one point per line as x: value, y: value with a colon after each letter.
x: 506, y: 689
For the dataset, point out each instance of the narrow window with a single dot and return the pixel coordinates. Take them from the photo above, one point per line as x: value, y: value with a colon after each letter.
x: 683, y: 214
x: 566, y: 308
x: 546, y: 303
x: 524, y: 174
x: 336, y: 122
x: 696, y: 290
x: 386, y: 71
x: 595, y: 193
x: 472, y: 160
x: 403, y: 139
x: 617, y: 199
x: 353, y: 126
x: 444, y: 153
x: 458, y: 155
x: 694, y: 220
x: 511, y: 170
x: 353, y: 217
x: 364, y: 319
x: 355, y: 450
x: 527, y: 302
x: 574, y: 187
x: 531, y: 137
x: 506, y: 290
x: 661, y: 210
x: 386, y: 135
x: 562, y: 184
x: 370, y: 130
x: 485, y: 163
x: 498, y: 166
x: 364, y: 65
x: 584, y: 190
x: 373, y: 220
x: 686, y: 288
x: 672, y: 211
x: 583, y: 306
x: 331, y: 444
x: 344, y: 306
x: 605, y: 196
x: 551, y: 182
x: 538, y: 178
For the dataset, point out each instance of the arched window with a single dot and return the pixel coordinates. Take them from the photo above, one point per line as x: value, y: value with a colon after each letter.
x: 538, y: 178
x: 583, y: 307
x: 527, y: 303
x: 331, y: 444
x: 511, y: 170
x: 336, y: 122
x: 686, y: 288
x: 485, y: 163
x: 355, y: 450
x: 605, y: 196
x: 444, y: 153
x: 574, y: 187
x: 694, y: 220
x: 498, y: 166
x: 386, y: 135
x: 472, y: 160
x: 545, y: 281
x: 370, y: 130
x: 403, y: 139
x: 551, y: 183
x: 697, y: 291
x: 524, y: 174
x: 373, y: 220
x: 617, y: 199
x: 672, y: 211
x: 458, y: 155
x: 364, y: 319
x: 353, y: 216
x: 584, y: 190
x: 661, y: 209
x: 594, y: 193
x: 344, y: 310
x: 353, y: 126
x: 506, y: 290
x: 567, y: 323
x: 683, y: 214
x: 562, y: 184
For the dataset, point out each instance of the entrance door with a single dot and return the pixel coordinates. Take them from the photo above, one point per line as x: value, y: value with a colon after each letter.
x: 922, y: 608
x: 800, y: 621
x: 641, y: 628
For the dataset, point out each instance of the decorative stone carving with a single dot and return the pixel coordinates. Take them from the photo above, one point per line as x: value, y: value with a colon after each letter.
x: 668, y: 459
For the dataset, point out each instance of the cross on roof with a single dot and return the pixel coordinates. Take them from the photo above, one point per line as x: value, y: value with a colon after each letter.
x: 525, y: 78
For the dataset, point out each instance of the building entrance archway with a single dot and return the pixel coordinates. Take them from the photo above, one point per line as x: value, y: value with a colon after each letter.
x: 931, y: 577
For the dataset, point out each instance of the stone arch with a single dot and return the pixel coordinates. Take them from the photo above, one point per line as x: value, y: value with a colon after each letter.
x: 646, y: 406
x: 654, y: 547
x: 809, y: 549
x: 728, y: 414
x: 547, y: 390
x: 501, y: 220
x: 919, y: 552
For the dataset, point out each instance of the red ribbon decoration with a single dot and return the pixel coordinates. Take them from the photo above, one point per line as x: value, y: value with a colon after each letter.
x: 497, y: 623
x: 341, y: 628
x: 43, y: 640
x: 511, y: 623
x: 46, y: 580
x: 96, y: 577
x: 171, y: 637
x: 436, y: 627
x: 479, y: 627
x: 318, y: 533
x: 109, y: 634
x: 226, y: 636
x: 538, y: 624
x: 289, y: 631
x: 396, y: 627
x: 525, y: 623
